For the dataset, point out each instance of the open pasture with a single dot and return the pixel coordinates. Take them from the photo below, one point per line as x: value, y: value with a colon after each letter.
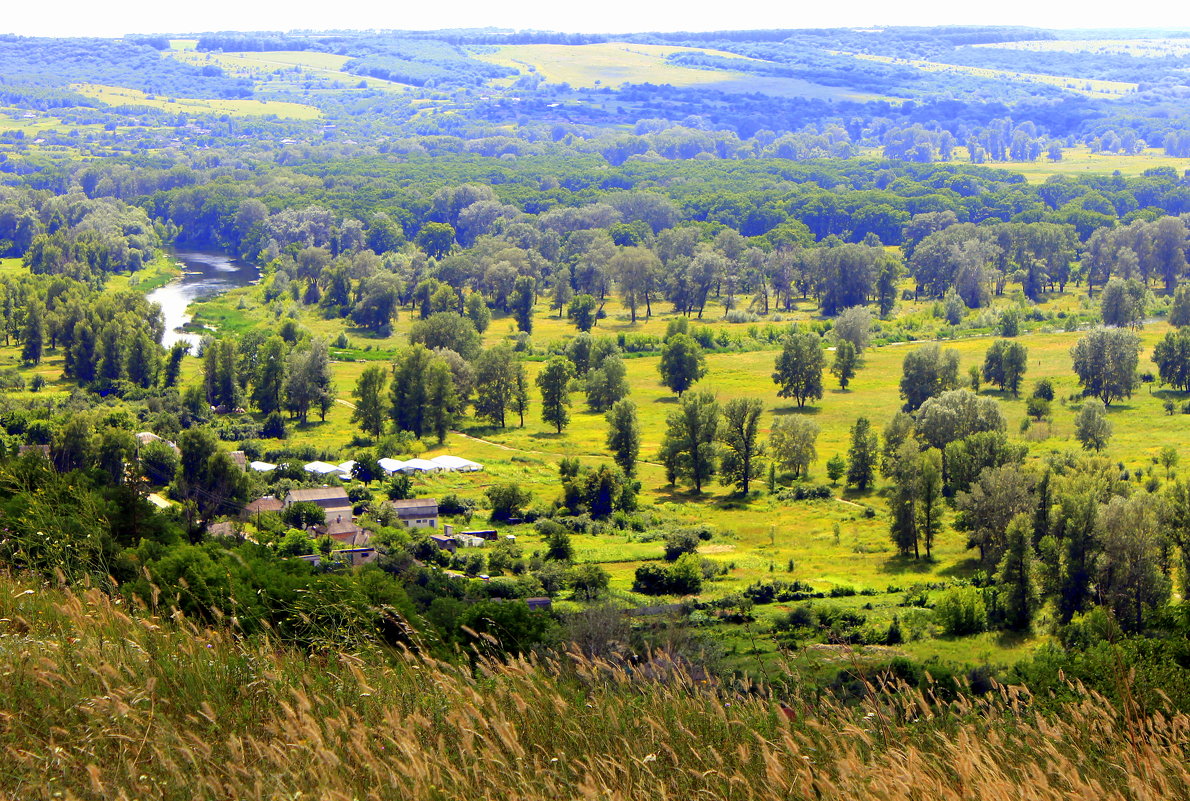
x: 122, y: 96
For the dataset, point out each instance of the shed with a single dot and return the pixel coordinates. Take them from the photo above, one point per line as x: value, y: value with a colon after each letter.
x: 444, y: 543
x: 261, y: 505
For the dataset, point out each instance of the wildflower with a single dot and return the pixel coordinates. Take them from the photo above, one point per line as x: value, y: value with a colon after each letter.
x: 650, y: 758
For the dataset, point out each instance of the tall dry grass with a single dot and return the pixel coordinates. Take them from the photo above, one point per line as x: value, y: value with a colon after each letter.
x: 98, y: 703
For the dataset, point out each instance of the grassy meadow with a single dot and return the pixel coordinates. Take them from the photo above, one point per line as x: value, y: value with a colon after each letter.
x: 122, y: 96
x: 836, y: 543
x: 101, y: 702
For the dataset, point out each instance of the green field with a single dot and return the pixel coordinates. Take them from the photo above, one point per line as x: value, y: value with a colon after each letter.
x: 121, y: 96
x: 285, y: 66
x: 831, y: 543
x: 1082, y: 86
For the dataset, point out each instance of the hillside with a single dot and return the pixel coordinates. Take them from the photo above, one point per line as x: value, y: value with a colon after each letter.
x: 99, y: 702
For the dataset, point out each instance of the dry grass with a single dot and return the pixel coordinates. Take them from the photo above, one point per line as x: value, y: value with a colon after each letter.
x: 98, y: 703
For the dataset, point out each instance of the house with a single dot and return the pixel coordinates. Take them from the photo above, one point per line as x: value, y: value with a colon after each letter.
x: 540, y: 603
x: 261, y: 505
x: 239, y: 460
x: 333, y: 500
x: 483, y: 533
x: 344, y: 532
x: 44, y: 450
x: 145, y: 437
x: 444, y: 543
x: 354, y: 557
x: 417, y: 512
x: 223, y: 529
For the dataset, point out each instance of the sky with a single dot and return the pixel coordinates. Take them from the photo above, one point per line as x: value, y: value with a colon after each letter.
x: 91, y: 18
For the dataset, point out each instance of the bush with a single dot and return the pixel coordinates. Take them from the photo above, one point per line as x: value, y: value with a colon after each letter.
x: 805, y: 492
x: 679, y: 542
x: 683, y: 577
x: 961, y: 610
x: 452, y: 505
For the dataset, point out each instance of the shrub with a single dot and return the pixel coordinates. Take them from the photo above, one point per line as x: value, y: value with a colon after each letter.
x: 961, y: 610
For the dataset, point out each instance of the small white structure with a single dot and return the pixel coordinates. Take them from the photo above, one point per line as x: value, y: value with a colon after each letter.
x: 324, y: 469
x: 262, y: 467
x: 420, y: 466
x: 457, y: 464
x: 390, y: 466
x: 346, y: 467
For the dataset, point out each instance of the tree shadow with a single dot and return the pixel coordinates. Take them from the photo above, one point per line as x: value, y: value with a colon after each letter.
x: 964, y: 568
x: 901, y: 565
x: 547, y: 435
x: 803, y: 410
x: 672, y: 399
x: 676, y: 494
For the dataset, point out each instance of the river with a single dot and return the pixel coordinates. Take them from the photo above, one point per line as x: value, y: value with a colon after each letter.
x: 206, y: 274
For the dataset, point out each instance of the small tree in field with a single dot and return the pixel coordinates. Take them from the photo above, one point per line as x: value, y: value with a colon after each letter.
x: 798, y: 371
x: 682, y: 363
x: 554, y: 383
x: 845, y: 364
x: 862, y: 456
x: 1091, y: 426
x: 741, y: 449
x: 582, y: 312
x: 623, y: 435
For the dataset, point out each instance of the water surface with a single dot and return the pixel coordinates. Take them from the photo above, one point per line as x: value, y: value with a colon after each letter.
x: 206, y: 274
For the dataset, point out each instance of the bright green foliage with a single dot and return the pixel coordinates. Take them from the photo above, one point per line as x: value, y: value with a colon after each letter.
x: 623, y: 435
x: 845, y: 364
x: 688, y: 449
x: 791, y: 444
x: 436, y: 239
x: 798, y: 371
x: 862, y: 455
x: 1105, y: 361
x: 682, y: 363
x: 836, y: 468
x: 927, y: 371
x: 369, y: 412
x: 581, y: 312
x: 961, y: 610
x: 1091, y: 426
x: 554, y: 383
x: 1016, y: 577
x: 742, y: 450
x: 1005, y: 363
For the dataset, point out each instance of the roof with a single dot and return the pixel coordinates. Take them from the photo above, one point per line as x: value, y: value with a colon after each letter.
x: 417, y: 507
x: 266, y: 504
x: 221, y: 530
x: 449, y: 462
x: 315, y: 494
x: 240, y: 460
x: 262, y: 467
x: 322, y: 468
x: 390, y: 465
x: 420, y: 465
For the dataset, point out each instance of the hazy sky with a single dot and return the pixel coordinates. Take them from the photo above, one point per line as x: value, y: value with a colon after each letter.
x: 75, y: 18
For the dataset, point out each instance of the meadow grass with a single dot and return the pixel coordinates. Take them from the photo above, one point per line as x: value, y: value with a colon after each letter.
x: 99, y: 701
x: 1091, y: 87
x: 121, y: 96
x: 607, y: 64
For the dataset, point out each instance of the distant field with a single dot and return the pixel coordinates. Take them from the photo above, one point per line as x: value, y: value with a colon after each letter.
x: 120, y: 96
x: 1082, y: 86
x: 614, y: 64
x: 259, y: 65
x: 1081, y: 161
x: 1152, y: 48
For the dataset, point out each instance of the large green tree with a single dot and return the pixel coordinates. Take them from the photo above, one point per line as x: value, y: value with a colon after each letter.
x: 742, y: 449
x: 369, y: 410
x: 688, y: 448
x: 554, y: 383
x: 798, y: 371
x: 682, y: 363
x: 1105, y: 361
x: 623, y: 435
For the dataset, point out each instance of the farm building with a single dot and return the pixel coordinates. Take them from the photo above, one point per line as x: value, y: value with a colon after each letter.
x: 456, y: 464
x: 333, y: 500
x: 261, y: 505
x: 444, y: 543
x: 417, y: 512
